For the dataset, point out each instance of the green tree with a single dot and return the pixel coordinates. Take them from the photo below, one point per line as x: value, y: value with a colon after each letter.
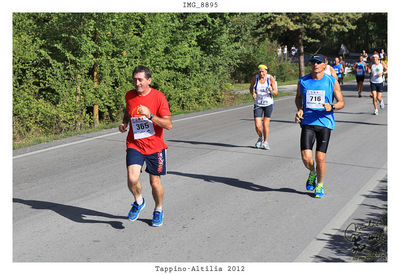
x: 370, y: 33
x: 310, y: 28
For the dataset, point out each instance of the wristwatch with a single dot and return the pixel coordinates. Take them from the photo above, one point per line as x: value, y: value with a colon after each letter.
x: 151, y: 116
x: 333, y: 107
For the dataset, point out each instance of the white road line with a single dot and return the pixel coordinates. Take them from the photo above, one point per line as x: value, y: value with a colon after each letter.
x: 63, y: 145
x: 224, y: 111
x: 319, y: 242
x: 111, y: 134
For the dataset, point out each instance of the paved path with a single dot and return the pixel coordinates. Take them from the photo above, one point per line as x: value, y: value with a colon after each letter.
x: 224, y: 200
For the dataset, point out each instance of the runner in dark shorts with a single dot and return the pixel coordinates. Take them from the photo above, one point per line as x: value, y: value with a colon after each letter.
x: 314, y: 102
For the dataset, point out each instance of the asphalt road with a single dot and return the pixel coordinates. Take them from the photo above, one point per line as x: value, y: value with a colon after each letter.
x: 225, y: 201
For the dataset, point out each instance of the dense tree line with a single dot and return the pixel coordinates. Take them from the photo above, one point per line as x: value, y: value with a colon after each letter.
x: 65, y: 63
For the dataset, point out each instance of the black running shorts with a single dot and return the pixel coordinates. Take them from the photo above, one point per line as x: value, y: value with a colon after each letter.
x: 360, y: 78
x: 311, y: 132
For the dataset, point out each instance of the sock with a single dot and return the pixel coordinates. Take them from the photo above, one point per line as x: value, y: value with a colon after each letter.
x: 139, y: 200
x: 320, y: 183
x: 158, y: 208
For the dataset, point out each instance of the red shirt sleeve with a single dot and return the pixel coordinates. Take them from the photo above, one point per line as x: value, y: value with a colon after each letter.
x: 163, y: 109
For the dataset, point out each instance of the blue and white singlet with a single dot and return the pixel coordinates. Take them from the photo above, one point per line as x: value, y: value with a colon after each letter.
x: 314, y: 94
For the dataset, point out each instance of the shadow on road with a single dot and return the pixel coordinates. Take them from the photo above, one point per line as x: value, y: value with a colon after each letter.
x: 238, y: 183
x: 208, y: 143
x: 353, y: 113
x: 76, y: 214
x: 272, y: 120
x: 362, y: 123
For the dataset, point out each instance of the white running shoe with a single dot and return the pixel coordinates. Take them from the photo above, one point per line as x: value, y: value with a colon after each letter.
x: 376, y: 112
x: 259, y: 143
x: 265, y: 146
x: 382, y: 105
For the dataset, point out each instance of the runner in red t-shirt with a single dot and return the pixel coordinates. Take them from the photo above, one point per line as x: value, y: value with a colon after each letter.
x: 147, y: 114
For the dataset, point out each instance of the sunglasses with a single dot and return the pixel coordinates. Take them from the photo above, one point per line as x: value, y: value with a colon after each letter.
x: 316, y: 62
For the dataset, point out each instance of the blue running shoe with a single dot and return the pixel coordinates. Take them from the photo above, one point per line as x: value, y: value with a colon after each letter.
x: 311, y: 181
x: 135, y: 210
x: 157, y: 218
x: 319, y: 191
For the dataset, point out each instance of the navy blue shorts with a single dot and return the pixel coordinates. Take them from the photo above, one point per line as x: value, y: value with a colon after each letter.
x: 156, y: 164
x: 267, y: 110
x: 377, y: 87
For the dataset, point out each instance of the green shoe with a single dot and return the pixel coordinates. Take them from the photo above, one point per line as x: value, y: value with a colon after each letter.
x: 319, y: 191
x: 311, y: 181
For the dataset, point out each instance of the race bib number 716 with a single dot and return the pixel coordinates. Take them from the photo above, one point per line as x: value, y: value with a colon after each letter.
x: 315, y: 99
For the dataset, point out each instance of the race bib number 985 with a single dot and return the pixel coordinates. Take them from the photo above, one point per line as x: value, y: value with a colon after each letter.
x: 142, y: 127
x: 315, y: 99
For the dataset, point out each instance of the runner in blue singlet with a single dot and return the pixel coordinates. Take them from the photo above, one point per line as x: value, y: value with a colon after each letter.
x: 314, y: 101
x: 360, y: 68
x: 339, y: 70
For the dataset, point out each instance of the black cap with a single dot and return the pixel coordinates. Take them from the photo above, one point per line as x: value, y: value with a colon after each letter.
x: 318, y: 57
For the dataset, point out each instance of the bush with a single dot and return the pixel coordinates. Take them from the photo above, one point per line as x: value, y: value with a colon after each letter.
x: 65, y: 63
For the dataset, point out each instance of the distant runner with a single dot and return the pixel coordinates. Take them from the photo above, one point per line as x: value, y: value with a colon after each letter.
x: 377, y: 70
x: 329, y: 70
x: 314, y: 102
x: 364, y: 55
x: 147, y: 114
x: 339, y: 69
x: 262, y: 87
x: 360, y: 68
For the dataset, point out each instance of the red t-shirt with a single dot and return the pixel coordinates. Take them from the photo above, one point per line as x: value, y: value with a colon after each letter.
x: 144, y: 135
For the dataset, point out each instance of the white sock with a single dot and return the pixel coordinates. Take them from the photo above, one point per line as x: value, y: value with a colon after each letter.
x: 320, y: 183
x: 158, y: 208
x: 139, y: 200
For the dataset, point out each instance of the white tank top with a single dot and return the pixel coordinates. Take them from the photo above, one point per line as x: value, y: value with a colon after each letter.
x: 375, y: 70
x: 264, y: 96
x: 328, y: 70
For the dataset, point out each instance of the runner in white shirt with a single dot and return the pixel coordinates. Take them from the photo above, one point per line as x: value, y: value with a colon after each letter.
x: 262, y: 87
x: 329, y: 70
x: 377, y: 71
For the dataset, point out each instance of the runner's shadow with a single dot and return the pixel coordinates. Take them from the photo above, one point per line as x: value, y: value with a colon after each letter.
x: 146, y: 221
x: 238, y: 183
x: 208, y: 143
x: 76, y: 214
x: 353, y: 113
x: 361, y: 123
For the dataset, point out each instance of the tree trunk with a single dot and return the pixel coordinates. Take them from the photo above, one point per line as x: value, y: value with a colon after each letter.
x: 301, y: 53
x: 96, y: 115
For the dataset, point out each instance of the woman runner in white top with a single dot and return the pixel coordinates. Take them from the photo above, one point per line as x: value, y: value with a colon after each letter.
x: 262, y: 87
